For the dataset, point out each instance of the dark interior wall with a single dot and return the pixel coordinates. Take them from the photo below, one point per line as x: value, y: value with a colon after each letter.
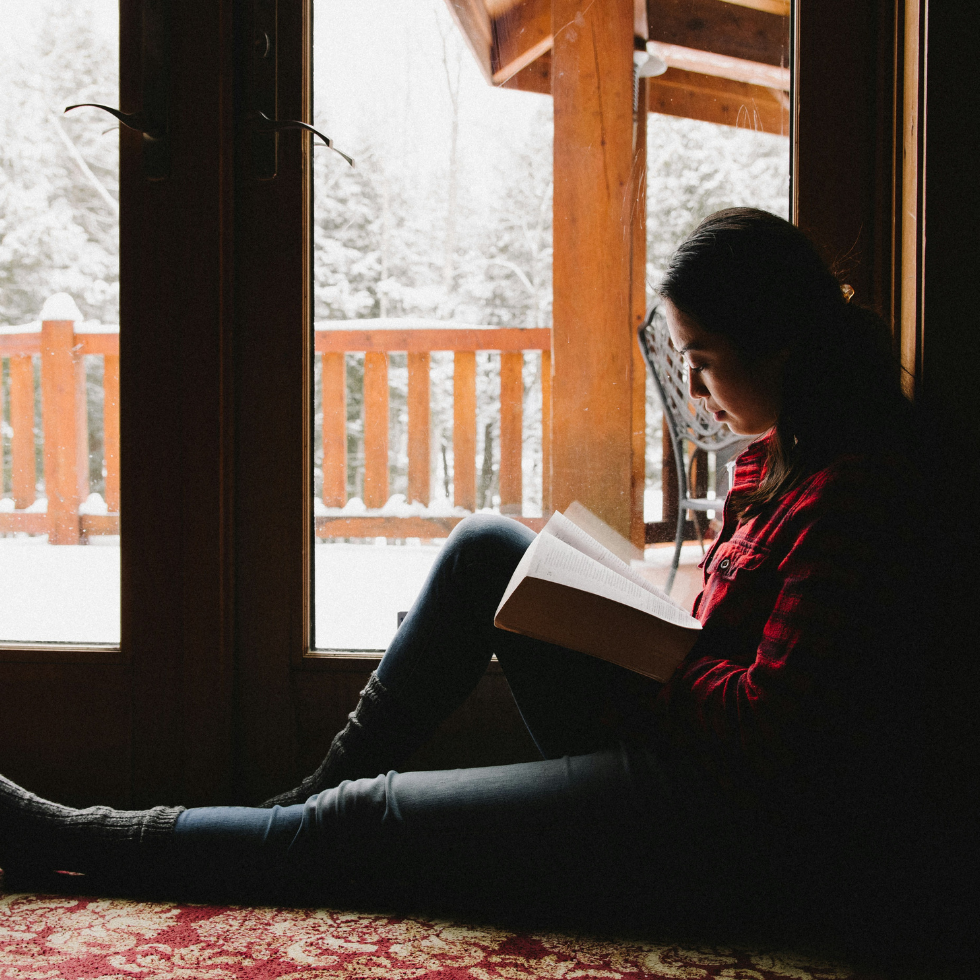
x: 951, y: 306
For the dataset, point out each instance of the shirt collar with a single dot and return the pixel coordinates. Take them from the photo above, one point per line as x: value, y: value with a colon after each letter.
x: 750, y: 464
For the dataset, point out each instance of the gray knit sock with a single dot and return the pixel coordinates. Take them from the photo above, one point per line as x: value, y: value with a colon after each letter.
x: 40, y: 835
x: 379, y: 735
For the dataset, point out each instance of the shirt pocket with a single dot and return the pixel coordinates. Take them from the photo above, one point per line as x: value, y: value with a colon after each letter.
x: 735, y: 558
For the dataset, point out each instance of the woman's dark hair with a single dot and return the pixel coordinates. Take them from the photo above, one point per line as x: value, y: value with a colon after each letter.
x: 760, y: 282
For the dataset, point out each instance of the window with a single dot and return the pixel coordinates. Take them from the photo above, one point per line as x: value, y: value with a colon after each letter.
x: 59, y: 327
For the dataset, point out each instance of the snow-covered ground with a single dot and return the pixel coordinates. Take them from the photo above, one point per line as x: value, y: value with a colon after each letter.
x: 70, y: 594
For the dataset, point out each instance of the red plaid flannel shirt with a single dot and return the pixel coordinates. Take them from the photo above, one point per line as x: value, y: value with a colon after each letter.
x: 804, y: 610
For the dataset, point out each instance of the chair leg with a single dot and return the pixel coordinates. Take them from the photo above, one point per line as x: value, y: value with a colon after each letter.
x: 678, y: 544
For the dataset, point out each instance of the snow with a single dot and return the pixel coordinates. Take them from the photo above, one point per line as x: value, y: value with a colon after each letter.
x: 60, y: 306
x: 360, y: 589
x: 70, y: 593
x: 63, y: 594
x: 94, y: 504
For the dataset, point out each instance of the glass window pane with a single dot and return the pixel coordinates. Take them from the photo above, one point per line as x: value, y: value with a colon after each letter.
x: 435, y: 395
x: 432, y: 271
x: 59, y: 315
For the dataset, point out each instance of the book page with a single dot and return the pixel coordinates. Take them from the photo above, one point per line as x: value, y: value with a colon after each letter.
x: 555, y: 560
x: 565, y: 530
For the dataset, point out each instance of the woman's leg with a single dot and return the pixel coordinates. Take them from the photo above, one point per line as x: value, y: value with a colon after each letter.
x: 571, y: 703
x: 582, y: 830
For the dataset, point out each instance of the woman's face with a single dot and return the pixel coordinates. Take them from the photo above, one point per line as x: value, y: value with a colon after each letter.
x: 746, y: 397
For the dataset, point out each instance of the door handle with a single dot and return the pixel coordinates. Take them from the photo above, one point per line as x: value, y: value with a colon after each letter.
x: 261, y: 102
x: 151, y: 118
x: 261, y: 123
x: 132, y: 120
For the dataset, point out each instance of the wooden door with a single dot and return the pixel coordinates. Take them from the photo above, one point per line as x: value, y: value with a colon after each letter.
x: 149, y: 720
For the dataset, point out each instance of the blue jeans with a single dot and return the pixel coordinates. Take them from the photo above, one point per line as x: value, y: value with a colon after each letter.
x: 592, y: 821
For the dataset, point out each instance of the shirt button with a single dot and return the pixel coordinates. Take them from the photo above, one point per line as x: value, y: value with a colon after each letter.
x: 726, y: 562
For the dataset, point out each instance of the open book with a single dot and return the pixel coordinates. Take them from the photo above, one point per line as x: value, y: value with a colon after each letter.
x: 570, y: 590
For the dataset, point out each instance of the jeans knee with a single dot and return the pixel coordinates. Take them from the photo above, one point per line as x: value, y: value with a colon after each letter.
x: 489, y: 539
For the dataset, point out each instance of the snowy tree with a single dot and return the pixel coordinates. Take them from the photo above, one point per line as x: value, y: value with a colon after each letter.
x: 59, y: 174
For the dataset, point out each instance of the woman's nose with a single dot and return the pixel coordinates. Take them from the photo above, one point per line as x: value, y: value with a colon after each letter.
x: 695, y: 385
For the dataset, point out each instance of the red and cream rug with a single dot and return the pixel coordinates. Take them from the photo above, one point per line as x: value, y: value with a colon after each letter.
x: 59, y: 937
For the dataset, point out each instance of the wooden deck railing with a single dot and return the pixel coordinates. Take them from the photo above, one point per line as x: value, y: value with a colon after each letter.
x: 376, y: 343
x: 62, y: 345
x: 64, y: 421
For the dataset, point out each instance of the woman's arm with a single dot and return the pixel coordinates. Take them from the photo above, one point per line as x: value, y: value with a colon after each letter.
x: 802, y: 651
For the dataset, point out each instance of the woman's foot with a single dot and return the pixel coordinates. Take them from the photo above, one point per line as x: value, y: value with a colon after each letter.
x: 379, y: 735
x: 39, y: 835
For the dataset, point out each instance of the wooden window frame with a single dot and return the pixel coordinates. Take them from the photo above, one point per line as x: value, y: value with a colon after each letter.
x: 214, y: 693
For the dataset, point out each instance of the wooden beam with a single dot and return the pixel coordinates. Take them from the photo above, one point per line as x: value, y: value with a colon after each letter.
x: 20, y: 344
x: 464, y: 429
x: 546, y: 387
x: 110, y: 430
x: 592, y: 85
x: 842, y: 191
x: 724, y: 28
x: 511, y: 431
x: 641, y: 19
x: 419, y: 433
x: 333, y: 402
x: 638, y: 301
x: 23, y: 457
x: 779, y: 7
x: 377, y: 526
x: 65, y: 430
x: 423, y: 341
x: 375, y: 429
x: 721, y: 65
x: 475, y: 25
x: 535, y: 77
x: 718, y: 100
x: 520, y: 36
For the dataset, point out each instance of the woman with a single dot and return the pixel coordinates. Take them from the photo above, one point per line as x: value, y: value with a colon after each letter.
x: 769, y: 766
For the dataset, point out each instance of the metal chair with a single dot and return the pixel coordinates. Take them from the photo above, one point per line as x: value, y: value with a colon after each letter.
x: 685, y: 421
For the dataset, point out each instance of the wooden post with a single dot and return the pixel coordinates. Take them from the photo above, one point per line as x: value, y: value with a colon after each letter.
x: 333, y: 377
x: 23, y: 460
x: 110, y: 429
x: 592, y: 84
x: 375, y: 429
x: 511, y: 425
x: 419, y: 462
x: 638, y: 290
x: 464, y: 429
x: 546, y: 507
x: 65, y: 430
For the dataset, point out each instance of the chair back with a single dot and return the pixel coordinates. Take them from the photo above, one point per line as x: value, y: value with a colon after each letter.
x: 685, y: 419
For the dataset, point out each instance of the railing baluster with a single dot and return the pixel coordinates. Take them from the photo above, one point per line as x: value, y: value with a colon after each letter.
x: 464, y: 429
x: 418, y: 428
x: 375, y: 428
x: 23, y: 460
x: 511, y: 423
x: 334, y: 400
x: 110, y: 429
x: 546, y: 432
x: 65, y: 430
x: 2, y: 473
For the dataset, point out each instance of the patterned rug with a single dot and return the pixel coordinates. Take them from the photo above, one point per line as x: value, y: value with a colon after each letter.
x: 63, y: 937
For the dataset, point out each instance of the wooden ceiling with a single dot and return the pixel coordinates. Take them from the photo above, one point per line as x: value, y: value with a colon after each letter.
x: 727, y: 59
